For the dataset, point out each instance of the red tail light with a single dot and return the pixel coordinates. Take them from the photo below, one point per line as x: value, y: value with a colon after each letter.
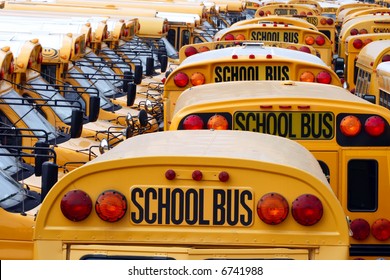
x: 292, y: 48
x: 363, y: 31
x: 76, y: 205
x: 320, y: 40
x: 170, y: 174
x: 374, y: 126
x: 193, y: 122
x: 329, y: 21
x: 218, y: 122
x: 307, y: 209
x: 354, y: 31
x: 381, y: 229
x: 367, y: 41
x: 229, y: 37
x: 324, y: 77
x: 190, y: 51
x: 181, y: 79
x: 350, y: 126
x: 357, y: 44
x: 272, y: 208
x: 360, y: 229
x: 111, y: 206
x: 305, y: 49
x: 386, y: 58
x: 261, y: 13
x: 223, y: 176
x: 197, y: 175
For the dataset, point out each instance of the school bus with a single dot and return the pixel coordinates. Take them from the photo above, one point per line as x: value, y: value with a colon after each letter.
x: 186, y: 192
x: 24, y: 126
x: 366, y: 80
x: 280, y: 32
x: 248, y: 62
x: 362, y: 25
x: 277, y: 19
x: 349, y: 137
x: 192, y: 49
x: 383, y: 77
x: 286, y: 10
x: 371, y: 11
x: 353, y: 46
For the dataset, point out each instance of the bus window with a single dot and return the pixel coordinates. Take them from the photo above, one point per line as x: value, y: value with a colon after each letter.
x: 248, y: 62
x: 353, y: 46
x: 280, y: 32
x: 205, y: 181
x: 349, y: 137
x: 368, y: 59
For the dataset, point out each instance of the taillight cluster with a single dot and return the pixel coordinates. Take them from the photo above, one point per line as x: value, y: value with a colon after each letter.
x: 306, y: 209
x: 206, y: 121
x: 182, y: 80
x: 354, y: 31
x: 323, y: 77
x: 110, y: 206
x: 326, y: 21
x: 351, y: 126
x: 191, y: 50
x: 361, y: 229
x: 197, y: 175
x: 358, y: 43
x: 318, y: 40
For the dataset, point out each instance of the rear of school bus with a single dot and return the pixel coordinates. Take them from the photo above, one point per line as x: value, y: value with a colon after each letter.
x: 349, y: 137
x: 194, y: 195
x: 246, y: 63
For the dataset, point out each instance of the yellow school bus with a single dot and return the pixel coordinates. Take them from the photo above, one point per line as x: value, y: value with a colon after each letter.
x: 383, y: 77
x: 366, y: 79
x: 349, y: 137
x: 371, y: 11
x: 134, y: 202
x: 280, y: 32
x: 353, y: 46
x: 248, y: 62
x: 192, y: 49
x: 362, y: 25
x: 278, y: 19
x: 285, y: 10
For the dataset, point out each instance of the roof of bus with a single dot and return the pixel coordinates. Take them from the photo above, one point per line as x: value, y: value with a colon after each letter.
x: 42, y: 27
x: 252, y: 49
x: 54, y: 41
x: 384, y: 67
x: 241, y: 145
x: 371, y: 51
x: 345, y: 27
x: 265, y: 90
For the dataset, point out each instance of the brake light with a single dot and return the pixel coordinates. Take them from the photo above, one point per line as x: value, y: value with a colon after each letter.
x: 354, y: 31
x: 374, y: 126
x: 190, y: 51
x: 366, y: 41
x: 357, y: 44
x: 363, y: 31
x: 272, y: 208
x: 218, y: 122
x: 76, y: 205
x: 229, y: 37
x: 320, y: 40
x: 323, y: 21
x: 203, y: 49
x: 307, y: 209
x: 303, y: 13
x: 261, y: 13
x: 381, y: 229
x: 197, y: 79
x: 240, y: 37
x: 360, y: 229
x: 223, y: 176
x: 292, y: 48
x: 170, y: 174
x: 307, y: 77
x: 329, y: 21
x: 181, y: 79
x: 111, y: 206
x: 305, y: 49
x: 192, y: 122
x: 350, y: 126
x: 197, y: 175
x: 324, y: 77
x: 309, y: 40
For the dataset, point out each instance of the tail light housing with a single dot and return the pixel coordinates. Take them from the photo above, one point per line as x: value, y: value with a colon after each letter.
x: 76, y: 205
x: 354, y: 31
x: 309, y: 40
x: 324, y: 77
x: 381, y: 229
x: 192, y: 122
x: 307, y: 209
x: 350, y: 125
x: 181, y: 79
x: 360, y: 229
x: 218, y: 122
x: 111, y: 206
x: 320, y: 40
x: 229, y: 37
x: 374, y: 126
x: 304, y: 49
x: 307, y: 76
x: 357, y: 44
x: 272, y: 208
x: 197, y: 79
x: 190, y: 51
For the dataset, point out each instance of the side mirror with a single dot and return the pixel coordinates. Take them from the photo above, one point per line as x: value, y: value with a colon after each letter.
x: 103, y: 147
x: 129, y: 120
x: 164, y: 63
x: 149, y: 105
x: 370, y: 98
x: 49, y: 178
x: 131, y: 93
x: 143, y: 118
x: 149, y: 66
x: 76, y: 124
x: 138, y: 74
x: 40, y: 158
x: 94, y: 108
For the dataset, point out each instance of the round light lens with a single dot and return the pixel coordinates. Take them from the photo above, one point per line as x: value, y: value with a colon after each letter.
x: 360, y: 229
x: 374, y: 126
x: 350, y: 126
x: 192, y: 122
x: 111, y: 206
x: 76, y: 205
x: 307, y: 210
x: 272, y: 208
